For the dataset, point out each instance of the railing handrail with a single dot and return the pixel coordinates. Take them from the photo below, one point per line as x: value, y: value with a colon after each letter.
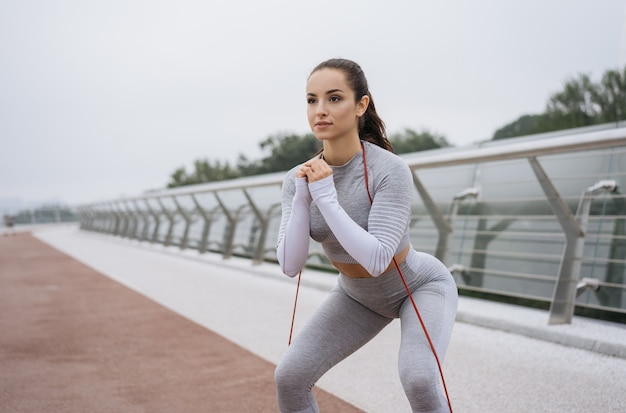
x: 520, y: 148
x: 236, y: 183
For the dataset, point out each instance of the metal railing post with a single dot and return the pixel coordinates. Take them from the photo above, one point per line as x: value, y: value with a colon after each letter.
x: 131, y: 230
x: 120, y: 220
x: 257, y: 257
x: 229, y: 234
x: 157, y: 222
x: 109, y: 217
x: 441, y: 223
x: 452, y: 214
x: 564, y: 296
x: 143, y: 217
x: 170, y: 219
x: 84, y: 218
x: 115, y: 219
x: 203, y: 243
x: 582, y: 215
x: 187, y: 219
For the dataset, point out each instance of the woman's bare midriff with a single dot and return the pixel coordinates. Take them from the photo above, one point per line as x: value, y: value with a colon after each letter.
x: 357, y: 270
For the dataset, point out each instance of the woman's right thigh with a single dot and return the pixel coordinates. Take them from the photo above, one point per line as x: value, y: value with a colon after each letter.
x: 338, y: 328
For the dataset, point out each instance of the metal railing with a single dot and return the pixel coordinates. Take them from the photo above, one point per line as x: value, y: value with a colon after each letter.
x: 538, y: 218
x: 38, y: 215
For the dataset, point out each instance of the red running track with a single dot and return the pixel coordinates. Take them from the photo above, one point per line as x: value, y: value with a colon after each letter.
x: 73, y: 340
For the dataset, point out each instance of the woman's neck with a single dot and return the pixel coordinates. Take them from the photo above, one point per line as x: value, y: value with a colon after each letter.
x: 339, y: 152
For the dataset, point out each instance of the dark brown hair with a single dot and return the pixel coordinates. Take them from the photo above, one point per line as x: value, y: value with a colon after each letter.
x: 371, y: 126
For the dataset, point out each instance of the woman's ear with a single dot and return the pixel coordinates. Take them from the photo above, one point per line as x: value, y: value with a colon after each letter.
x: 362, y: 105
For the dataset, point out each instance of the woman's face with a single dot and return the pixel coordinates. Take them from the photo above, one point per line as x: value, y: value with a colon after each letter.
x: 331, y: 109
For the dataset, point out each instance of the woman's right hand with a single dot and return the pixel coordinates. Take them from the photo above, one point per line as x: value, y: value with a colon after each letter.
x: 314, y: 170
x: 300, y: 173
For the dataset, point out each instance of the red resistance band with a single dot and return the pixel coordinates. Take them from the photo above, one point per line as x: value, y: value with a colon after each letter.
x: 406, y: 287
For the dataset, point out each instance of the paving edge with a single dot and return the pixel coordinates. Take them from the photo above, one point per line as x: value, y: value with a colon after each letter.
x: 558, y: 337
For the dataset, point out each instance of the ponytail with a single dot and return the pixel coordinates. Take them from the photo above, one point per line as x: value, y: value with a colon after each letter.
x: 371, y: 126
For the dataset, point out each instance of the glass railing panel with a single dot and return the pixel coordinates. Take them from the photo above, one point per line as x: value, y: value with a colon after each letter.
x: 216, y: 240
x: 247, y: 231
x: 232, y: 198
x: 265, y: 197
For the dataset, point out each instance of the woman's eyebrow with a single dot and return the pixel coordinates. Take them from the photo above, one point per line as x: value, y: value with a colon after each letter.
x: 330, y: 92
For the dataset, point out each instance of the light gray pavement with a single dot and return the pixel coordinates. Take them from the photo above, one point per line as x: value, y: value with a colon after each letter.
x: 502, y: 358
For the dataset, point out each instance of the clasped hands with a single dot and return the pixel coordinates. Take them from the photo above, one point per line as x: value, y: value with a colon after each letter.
x: 314, y: 170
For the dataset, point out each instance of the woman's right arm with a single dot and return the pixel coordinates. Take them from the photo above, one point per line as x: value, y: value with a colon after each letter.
x: 293, y: 235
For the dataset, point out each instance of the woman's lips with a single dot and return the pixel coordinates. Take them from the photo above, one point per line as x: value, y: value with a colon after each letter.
x: 322, y: 125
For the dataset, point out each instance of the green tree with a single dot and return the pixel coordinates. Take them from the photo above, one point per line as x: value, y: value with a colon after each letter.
x: 284, y: 152
x: 524, y: 125
x: 410, y: 141
x: 204, y: 171
x: 580, y: 103
x: 574, y: 106
x: 178, y: 178
x: 610, y: 96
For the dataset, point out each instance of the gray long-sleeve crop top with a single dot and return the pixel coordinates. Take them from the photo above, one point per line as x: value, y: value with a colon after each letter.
x: 336, y: 212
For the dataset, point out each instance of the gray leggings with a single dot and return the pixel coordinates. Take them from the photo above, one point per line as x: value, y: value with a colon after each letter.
x: 356, y: 310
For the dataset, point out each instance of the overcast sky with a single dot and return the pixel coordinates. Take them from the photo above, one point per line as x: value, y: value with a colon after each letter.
x: 100, y: 99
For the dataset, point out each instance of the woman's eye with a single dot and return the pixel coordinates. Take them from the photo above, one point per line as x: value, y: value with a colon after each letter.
x: 310, y: 100
x: 335, y: 98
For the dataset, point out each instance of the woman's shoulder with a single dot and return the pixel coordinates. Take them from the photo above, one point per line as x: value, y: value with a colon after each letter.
x: 290, y: 175
x: 383, y: 158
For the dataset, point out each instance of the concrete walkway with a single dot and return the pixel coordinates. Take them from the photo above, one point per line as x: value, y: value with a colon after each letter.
x: 502, y: 358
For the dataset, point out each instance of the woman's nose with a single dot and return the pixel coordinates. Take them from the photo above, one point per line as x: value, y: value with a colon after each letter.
x: 320, y: 109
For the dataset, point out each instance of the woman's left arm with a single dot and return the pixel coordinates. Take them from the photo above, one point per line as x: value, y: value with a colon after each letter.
x: 388, y: 218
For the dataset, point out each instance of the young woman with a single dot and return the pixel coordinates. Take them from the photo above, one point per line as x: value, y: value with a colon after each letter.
x: 355, y: 199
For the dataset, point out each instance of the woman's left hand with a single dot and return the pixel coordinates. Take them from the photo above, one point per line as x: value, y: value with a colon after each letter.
x: 316, y: 169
